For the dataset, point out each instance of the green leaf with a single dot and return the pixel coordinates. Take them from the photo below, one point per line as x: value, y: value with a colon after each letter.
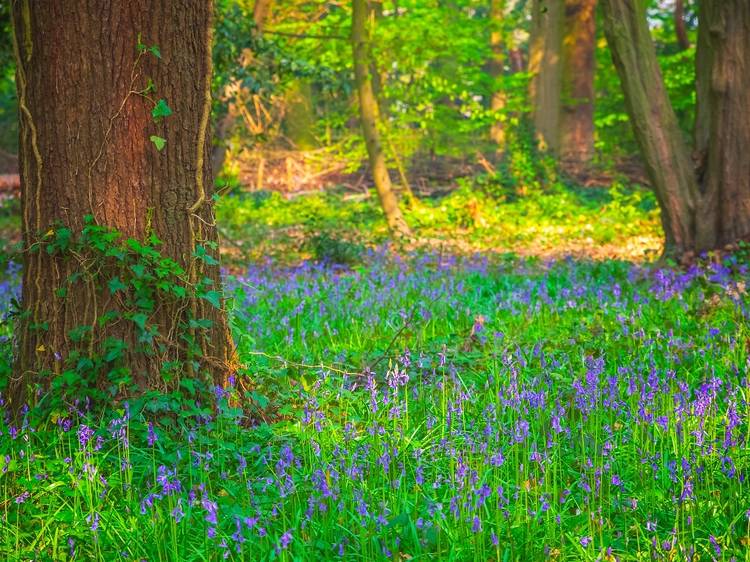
x: 159, y: 142
x: 214, y: 297
x: 115, y: 284
x: 154, y: 50
x: 140, y: 320
x: 161, y: 109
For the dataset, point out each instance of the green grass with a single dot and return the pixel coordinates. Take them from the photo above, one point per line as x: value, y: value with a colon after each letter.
x: 480, y: 216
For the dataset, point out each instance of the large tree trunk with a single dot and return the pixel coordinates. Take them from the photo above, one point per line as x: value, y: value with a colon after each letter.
x: 545, y: 67
x: 577, y: 105
x: 85, y: 150
x: 723, y: 123
x: 707, y: 206
x: 496, y: 64
x: 369, y: 117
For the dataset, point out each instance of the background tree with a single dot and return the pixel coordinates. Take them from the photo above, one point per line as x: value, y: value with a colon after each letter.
x: 369, y: 118
x: 495, y: 68
x: 561, y: 63
x: 114, y: 124
x: 545, y: 67
x: 705, y: 200
x: 577, y: 89
x: 683, y: 41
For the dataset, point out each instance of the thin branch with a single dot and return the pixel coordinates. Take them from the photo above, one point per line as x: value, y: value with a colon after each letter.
x: 305, y: 35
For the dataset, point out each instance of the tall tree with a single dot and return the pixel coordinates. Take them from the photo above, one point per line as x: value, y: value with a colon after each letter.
x: 704, y: 197
x: 561, y: 63
x: 370, y: 115
x: 683, y: 41
x: 577, y: 90
x: 94, y: 141
x: 497, y: 60
x: 545, y: 67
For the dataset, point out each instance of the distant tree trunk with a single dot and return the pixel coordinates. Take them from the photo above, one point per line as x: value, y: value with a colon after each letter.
x: 369, y: 117
x: 260, y: 13
x: 545, y: 67
x: 227, y: 121
x: 496, y: 63
x: 300, y: 119
x: 577, y: 105
x: 683, y: 41
x: 710, y: 208
x: 85, y: 150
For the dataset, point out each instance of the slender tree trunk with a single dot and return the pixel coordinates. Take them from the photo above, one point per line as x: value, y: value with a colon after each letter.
x: 705, y: 206
x: 369, y: 117
x: 545, y: 67
x: 683, y: 41
x: 225, y: 124
x: 655, y: 125
x: 577, y: 105
x: 496, y: 64
x: 85, y: 150
x: 300, y: 119
x: 260, y: 13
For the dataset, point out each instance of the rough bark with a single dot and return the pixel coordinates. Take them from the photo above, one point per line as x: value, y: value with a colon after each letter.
x: 723, y: 126
x: 85, y: 150
x: 680, y: 29
x: 545, y: 67
x: 369, y: 117
x: 706, y: 206
x: 577, y: 104
x: 653, y: 120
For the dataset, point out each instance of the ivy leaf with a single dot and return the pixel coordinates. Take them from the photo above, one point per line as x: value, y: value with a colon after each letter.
x: 154, y: 50
x: 214, y: 297
x: 115, y: 284
x: 161, y: 109
x: 159, y: 142
x: 140, y: 320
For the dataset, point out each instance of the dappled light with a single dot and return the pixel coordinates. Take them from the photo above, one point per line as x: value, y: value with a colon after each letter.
x: 393, y: 280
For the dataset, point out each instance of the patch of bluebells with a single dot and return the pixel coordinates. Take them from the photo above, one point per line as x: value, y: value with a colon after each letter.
x: 593, y: 412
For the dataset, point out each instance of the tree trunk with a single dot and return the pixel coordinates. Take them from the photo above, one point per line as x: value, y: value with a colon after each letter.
x: 300, y: 114
x: 545, y: 67
x: 369, y: 116
x: 496, y: 63
x: 708, y: 206
x: 679, y: 25
x: 577, y: 105
x: 225, y: 124
x: 85, y: 149
x: 722, y: 123
x: 655, y: 125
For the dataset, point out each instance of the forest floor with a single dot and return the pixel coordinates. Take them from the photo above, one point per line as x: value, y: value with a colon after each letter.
x: 410, y: 402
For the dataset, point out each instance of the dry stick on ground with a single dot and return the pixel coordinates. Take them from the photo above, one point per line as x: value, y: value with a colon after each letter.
x: 288, y: 362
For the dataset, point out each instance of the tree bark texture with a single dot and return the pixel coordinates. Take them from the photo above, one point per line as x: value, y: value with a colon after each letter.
x: 85, y: 150
x: 723, y: 122
x: 369, y: 117
x: 705, y: 202
x: 577, y: 104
